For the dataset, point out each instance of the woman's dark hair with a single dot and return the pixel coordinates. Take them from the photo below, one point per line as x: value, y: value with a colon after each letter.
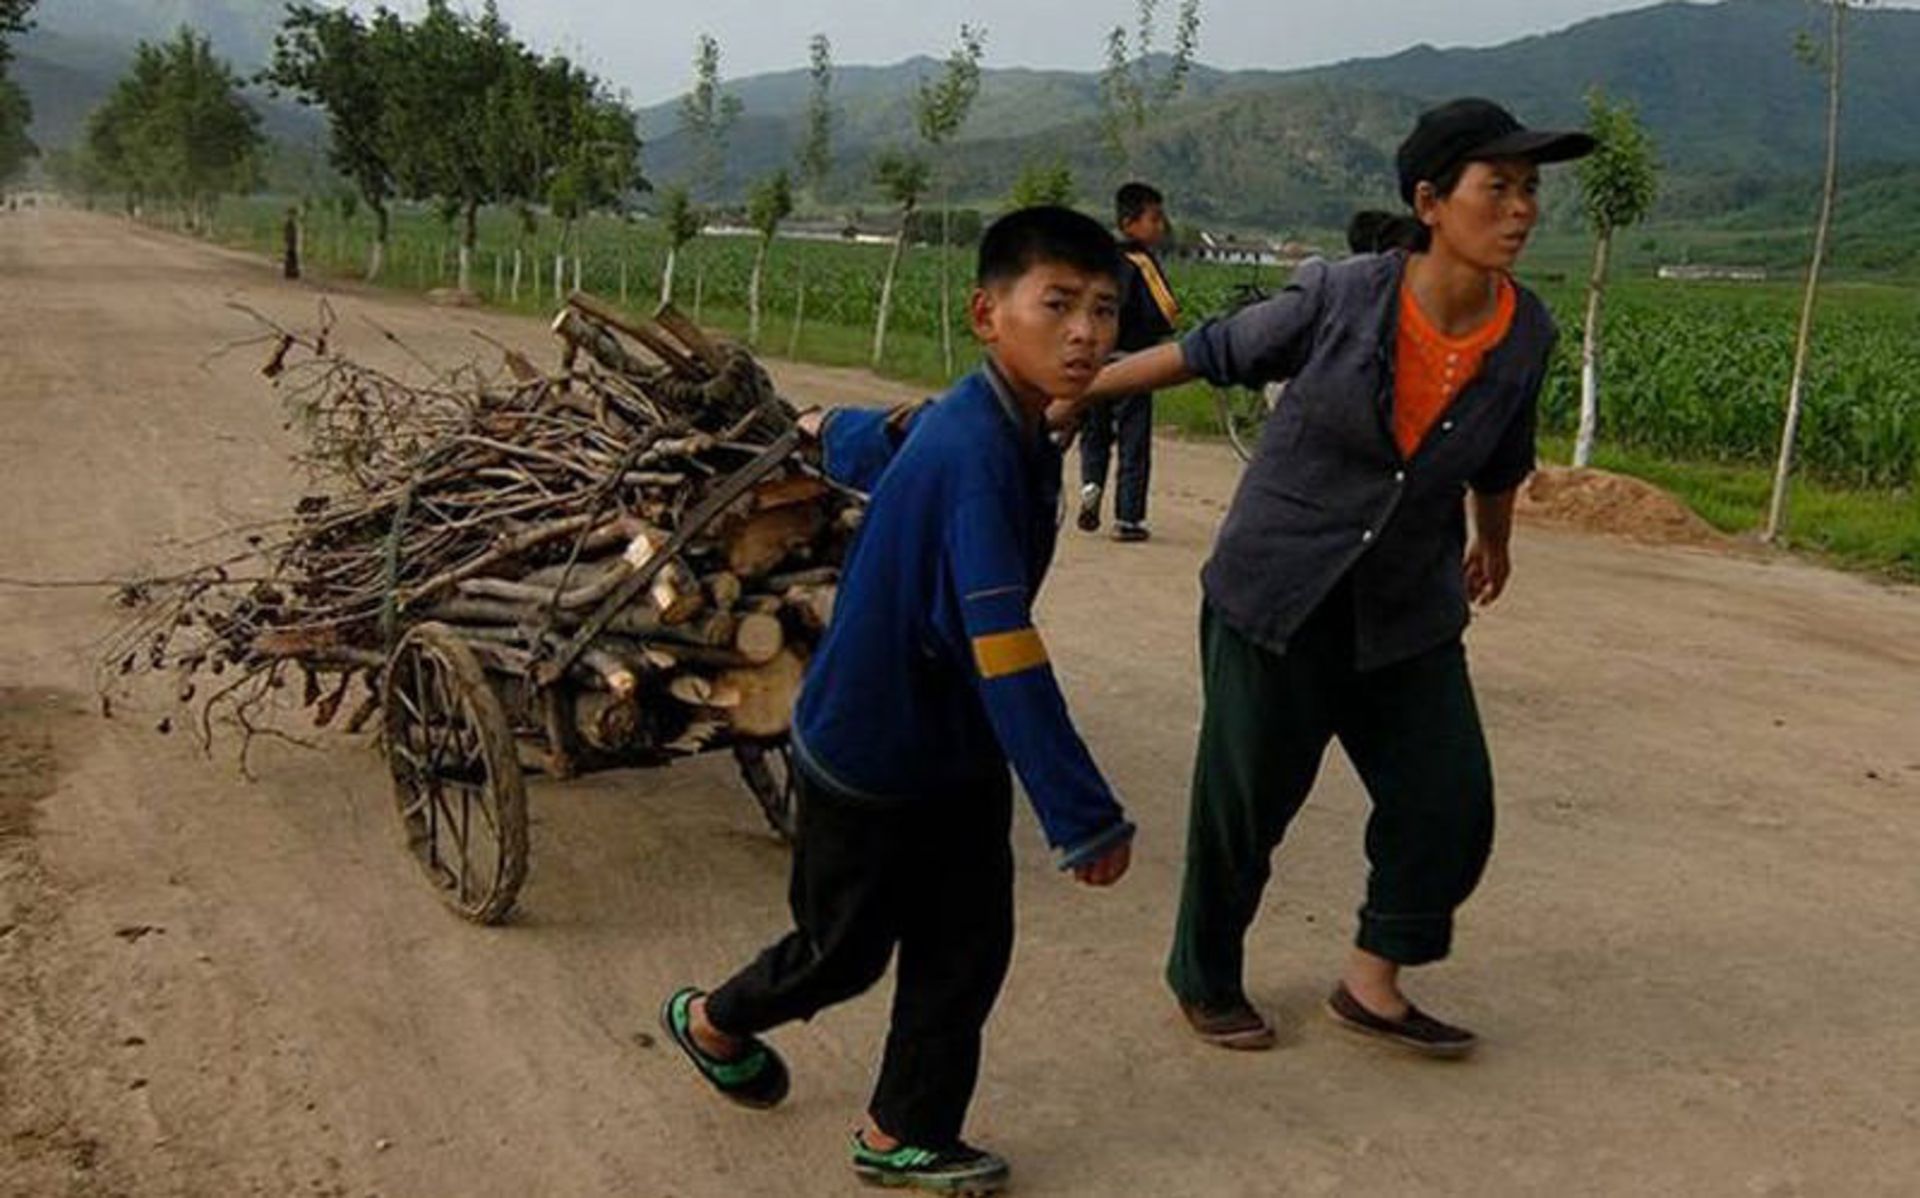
x: 1018, y: 241
x: 1374, y: 232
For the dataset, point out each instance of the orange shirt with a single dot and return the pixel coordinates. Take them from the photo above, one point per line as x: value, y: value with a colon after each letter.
x: 1430, y: 367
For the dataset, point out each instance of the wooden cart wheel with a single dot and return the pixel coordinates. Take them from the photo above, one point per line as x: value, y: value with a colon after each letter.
x: 463, y: 802
x: 767, y: 769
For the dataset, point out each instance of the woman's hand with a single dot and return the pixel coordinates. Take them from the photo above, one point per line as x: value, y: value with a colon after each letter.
x: 1487, y: 567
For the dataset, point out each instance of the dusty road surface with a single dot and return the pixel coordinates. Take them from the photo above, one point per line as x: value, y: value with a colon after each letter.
x: 1695, y: 959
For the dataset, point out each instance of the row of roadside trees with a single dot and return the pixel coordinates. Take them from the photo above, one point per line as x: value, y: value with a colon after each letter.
x: 448, y: 110
x: 455, y: 111
x: 16, y: 149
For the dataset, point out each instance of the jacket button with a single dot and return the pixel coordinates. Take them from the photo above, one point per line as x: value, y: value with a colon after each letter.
x: 1366, y: 536
x: 1399, y: 476
x: 1446, y: 426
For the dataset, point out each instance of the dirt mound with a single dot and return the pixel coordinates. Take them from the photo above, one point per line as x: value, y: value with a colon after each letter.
x: 1596, y: 501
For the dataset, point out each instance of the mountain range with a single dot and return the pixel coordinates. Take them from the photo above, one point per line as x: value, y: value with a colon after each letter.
x: 1735, y: 114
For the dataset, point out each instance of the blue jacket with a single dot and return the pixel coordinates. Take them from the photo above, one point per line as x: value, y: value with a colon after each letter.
x: 931, y: 676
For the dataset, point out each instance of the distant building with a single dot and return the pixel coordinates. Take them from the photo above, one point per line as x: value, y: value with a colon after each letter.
x: 1691, y: 272
x: 1235, y: 251
x: 1231, y: 250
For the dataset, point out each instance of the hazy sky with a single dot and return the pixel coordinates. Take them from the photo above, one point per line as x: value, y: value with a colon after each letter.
x: 647, y: 46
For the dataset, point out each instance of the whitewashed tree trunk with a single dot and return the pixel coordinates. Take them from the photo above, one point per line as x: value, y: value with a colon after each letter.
x: 946, y: 282
x: 886, y: 295
x: 666, y: 276
x: 753, y: 291
x: 1590, y: 354
x: 559, y: 275
x: 514, y: 293
x: 1783, y: 470
x: 799, y: 314
x: 576, y: 272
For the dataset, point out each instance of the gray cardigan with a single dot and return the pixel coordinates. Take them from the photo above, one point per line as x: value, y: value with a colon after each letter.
x: 1328, y: 491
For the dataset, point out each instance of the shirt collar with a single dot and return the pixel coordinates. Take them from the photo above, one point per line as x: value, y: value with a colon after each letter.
x: 1024, y: 424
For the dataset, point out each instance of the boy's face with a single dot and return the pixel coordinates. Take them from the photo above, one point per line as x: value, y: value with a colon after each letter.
x: 1149, y: 228
x: 1050, y: 329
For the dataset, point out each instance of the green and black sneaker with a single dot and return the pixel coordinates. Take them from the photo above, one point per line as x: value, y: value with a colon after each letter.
x: 957, y: 1170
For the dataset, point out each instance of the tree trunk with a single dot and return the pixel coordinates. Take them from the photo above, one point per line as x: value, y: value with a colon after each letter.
x: 469, y: 236
x: 666, y: 276
x: 1783, y: 471
x: 1590, y: 354
x: 946, y: 282
x: 576, y: 268
x: 559, y: 273
x: 514, y: 293
x: 623, y: 282
x: 886, y: 292
x: 753, y: 292
x: 799, y: 312
x: 699, y: 290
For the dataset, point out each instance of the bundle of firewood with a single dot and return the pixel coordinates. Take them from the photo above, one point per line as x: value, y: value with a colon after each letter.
x: 634, y: 546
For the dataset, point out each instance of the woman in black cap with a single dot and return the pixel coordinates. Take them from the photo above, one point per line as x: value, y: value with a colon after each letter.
x: 1340, y: 585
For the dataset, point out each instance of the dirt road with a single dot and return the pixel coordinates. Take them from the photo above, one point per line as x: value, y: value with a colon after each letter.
x: 1694, y: 959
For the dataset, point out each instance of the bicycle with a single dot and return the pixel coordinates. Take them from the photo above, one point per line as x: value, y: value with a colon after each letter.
x: 1244, y: 411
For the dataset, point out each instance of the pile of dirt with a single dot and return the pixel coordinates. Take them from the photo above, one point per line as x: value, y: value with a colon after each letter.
x: 1596, y: 501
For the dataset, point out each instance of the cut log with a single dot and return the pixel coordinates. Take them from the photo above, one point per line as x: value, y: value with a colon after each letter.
x: 782, y: 583
x: 811, y: 605
x: 605, y: 721
x: 785, y: 492
x: 765, y: 539
x: 616, y: 673
x: 691, y: 689
x: 723, y: 589
x: 766, y: 695
x: 698, y: 735
x: 589, y: 336
x: 640, y: 329
x: 690, y: 335
x: 759, y: 637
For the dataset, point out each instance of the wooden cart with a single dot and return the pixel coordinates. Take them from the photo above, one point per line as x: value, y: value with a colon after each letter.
x: 463, y: 727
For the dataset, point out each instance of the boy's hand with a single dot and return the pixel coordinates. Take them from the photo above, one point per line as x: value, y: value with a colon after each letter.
x: 1106, y: 870
x: 811, y: 421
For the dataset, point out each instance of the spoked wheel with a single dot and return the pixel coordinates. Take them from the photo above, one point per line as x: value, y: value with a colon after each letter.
x: 463, y: 802
x: 1244, y: 412
x: 767, y: 769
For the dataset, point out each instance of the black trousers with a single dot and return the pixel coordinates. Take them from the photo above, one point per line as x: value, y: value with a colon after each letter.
x: 1131, y: 418
x: 1413, y: 733
x: 933, y: 878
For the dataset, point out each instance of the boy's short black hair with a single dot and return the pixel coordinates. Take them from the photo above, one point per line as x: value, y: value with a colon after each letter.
x: 1133, y: 199
x: 1018, y: 241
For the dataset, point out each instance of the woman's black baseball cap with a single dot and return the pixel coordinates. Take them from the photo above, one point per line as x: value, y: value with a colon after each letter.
x: 1474, y: 130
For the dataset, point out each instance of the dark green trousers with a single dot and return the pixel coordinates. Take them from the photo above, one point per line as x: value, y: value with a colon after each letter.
x: 1412, y: 731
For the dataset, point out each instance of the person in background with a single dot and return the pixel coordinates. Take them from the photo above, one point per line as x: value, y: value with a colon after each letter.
x: 1148, y: 315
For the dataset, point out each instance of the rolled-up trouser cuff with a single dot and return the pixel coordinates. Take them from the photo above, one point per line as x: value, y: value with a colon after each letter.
x: 1406, y: 939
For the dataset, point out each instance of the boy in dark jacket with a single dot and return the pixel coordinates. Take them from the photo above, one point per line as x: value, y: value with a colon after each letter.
x: 931, y: 680
x: 1148, y: 314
